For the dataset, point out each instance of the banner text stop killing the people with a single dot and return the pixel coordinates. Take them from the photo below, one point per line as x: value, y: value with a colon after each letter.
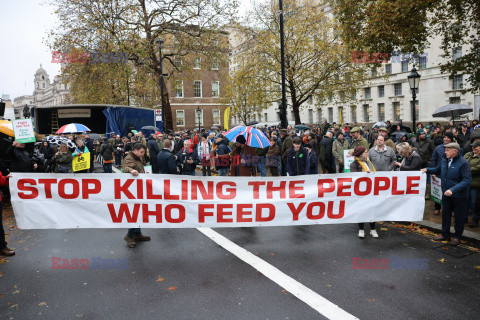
x: 63, y: 201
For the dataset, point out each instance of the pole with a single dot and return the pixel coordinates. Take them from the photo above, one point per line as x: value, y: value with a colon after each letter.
x: 283, y: 106
x: 414, y: 94
x: 159, y: 41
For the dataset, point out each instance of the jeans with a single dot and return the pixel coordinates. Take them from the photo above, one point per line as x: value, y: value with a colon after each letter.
x: 134, y: 232
x: 206, y: 169
x: 107, y: 168
x: 3, y: 243
x: 262, y: 169
x: 460, y: 207
x: 222, y: 172
x: 188, y: 173
x: 361, y: 226
x: 474, y: 194
x: 118, y: 159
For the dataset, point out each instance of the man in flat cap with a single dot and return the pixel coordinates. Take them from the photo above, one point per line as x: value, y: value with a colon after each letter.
x: 456, y: 177
x: 358, y: 139
x: 388, y: 142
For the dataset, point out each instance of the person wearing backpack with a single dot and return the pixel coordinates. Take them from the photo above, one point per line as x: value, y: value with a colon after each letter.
x: 326, y: 157
x: 106, y: 151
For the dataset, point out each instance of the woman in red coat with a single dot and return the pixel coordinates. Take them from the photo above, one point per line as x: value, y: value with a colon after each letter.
x: 4, y: 250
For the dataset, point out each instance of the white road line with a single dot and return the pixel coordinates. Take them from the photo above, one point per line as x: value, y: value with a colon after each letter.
x: 310, y: 297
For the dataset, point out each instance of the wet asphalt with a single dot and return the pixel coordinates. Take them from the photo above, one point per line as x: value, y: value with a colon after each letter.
x: 182, y: 274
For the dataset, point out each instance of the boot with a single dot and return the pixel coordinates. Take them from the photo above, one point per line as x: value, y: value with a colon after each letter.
x: 141, y: 237
x: 130, y: 241
x: 7, y: 252
x: 474, y: 223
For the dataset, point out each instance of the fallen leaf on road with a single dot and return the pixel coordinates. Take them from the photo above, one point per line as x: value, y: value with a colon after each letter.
x: 172, y: 288
x: 15, y: 305
x: 478, y: 267
x: 442, y: 260
x: 329, y: 285
x: 383, y: 229
x: 15, y: 292
x: 42, y: 304
x: 160, y: 279
x: 272, y: 254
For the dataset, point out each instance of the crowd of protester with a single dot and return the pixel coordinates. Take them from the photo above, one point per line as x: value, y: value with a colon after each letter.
x: 291, y: 152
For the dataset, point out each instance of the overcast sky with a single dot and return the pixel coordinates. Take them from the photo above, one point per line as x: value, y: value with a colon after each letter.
x: 24, y: 25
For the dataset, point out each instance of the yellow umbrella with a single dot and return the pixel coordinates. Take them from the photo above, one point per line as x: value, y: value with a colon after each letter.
x: 6, y: 127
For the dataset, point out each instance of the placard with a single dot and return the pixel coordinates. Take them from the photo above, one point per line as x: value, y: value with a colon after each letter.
x: 347, y: 160
x: 23, y: 130
x: 81, y: 162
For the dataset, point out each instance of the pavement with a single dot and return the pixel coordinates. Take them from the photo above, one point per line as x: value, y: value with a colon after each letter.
x: 306, y: 272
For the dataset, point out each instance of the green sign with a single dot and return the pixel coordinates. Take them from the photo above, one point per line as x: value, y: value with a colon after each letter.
x: 134, y: 131
x: 23, y: 130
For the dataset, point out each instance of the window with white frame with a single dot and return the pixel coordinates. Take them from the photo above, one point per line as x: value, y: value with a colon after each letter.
x: 381, y: 91
x: 368, y: 93
x: 366, y: 113
x: 215, y: 89
x: 457, y: 82
x: 423, y: 63
x: 398, y: 89
x: 216, y: 117
x: 265, y: 115
x: 405, y: 66
x: 310, y: 115
x: 180, y: 119
x: 197, y: 63
x: 456, y: 53
x: 381, y: 112
x: 319, y: 115
x: 396, y: 111
x: 330, y: 115
x: 353, y: 110
x: 197, y: 88
x: 388, y: 68
x: 179, y: 89
x: 215, y: 64
x: 454, y: 100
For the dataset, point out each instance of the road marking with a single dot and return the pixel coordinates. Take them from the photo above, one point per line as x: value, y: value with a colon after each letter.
x: 310, y: 297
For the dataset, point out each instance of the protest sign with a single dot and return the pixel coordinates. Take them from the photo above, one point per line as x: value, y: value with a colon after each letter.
x: 62, y: 201
x: 436, y: 190
x: 347, y: 160
x: 23, y: 130
x: 81, y: 162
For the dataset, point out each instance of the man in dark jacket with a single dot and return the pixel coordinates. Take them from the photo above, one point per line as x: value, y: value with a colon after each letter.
x: 20, y: 159
x: 118, y: 148
x: 456, y: 178
x: 286, y: 145
x: 297, y: 159
x: 166, y: 160
x: 326, y: 158
x: 106, y: 151
x: 222, y: 155
x: 424, y: 148
x: 187, y: 159
x: 153, y: 151
x: 91, y: 148
x: 464, y: 136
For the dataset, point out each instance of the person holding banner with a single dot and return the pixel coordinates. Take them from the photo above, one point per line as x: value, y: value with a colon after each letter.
x: 79, y: 150
x: 474, y: 159
x: 242, y: 157
x: 187, y: 159
x: 133, y: 163
x: 20, y: 159
x: 363, y: 164
x: 456, y: 178
x: 4, y: 250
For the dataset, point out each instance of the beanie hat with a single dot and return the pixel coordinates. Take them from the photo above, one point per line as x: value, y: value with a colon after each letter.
x: 358, y: 151
x: 241, y: 139
x: 449, y: 135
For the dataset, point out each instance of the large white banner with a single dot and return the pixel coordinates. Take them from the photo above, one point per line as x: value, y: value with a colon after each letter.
x: 64, y: 201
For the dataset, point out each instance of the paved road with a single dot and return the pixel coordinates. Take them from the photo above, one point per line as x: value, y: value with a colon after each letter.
x: 183, y: 274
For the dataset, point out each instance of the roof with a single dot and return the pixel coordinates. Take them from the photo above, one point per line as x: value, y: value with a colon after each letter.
x: 70, y: 106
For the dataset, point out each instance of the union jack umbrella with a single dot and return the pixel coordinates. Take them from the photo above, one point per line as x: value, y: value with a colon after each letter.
x: 73, y: 128
x: 255, y: 138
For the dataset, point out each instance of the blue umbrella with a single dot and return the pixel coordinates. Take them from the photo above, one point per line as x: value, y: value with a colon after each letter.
x: 255, y: 138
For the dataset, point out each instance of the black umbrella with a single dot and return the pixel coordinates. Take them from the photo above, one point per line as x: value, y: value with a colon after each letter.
x: 252, y: 123
x: 452, y: 110
x: 95, y: 136
x: 302, y: 127
x: 152, y: 128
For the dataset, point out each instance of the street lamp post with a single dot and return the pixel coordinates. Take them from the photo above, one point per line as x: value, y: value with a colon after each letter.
x: 414, y: 81
x: 160, y: 42
x: 199, y: 112
x: 283, y: 105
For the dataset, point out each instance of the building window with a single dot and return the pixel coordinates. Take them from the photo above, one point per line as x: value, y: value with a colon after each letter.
x: 374, y: 72
x: 330, y: 98
x: 354, y: 95
x: 457, y: 83
x: 423, y: 63
x: 319, y: 115
x: 342, y: 96
x: 198, y: 119
x: 454, y: 100
x: 43, y: 85
x: 388, y: 68
x: 310, y: 100
x: 366, y: 113
x: 456, y: 53
x: 179, y: 89
x: 265, y: 116
x: 215, y: 64
x: 215, y: 89
x: 398, y: 89
x: 180, y: 118
x: 197, y: 88
x: 381, y: 91
x: 216, y: 117
x: 381, y: 112
x: 404, y: 66
x: 396, y: 111
x: 353, y: 110
x: 198, y: 63
x: 368, y: 93
x: 310, y: 115
x: 330, y: 115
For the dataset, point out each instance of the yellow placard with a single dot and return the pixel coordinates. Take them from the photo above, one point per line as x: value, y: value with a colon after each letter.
x: 226, y: 118
x: 81, y: 162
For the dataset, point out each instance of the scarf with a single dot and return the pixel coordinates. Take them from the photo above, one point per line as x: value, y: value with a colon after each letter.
x: 365, y: 165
